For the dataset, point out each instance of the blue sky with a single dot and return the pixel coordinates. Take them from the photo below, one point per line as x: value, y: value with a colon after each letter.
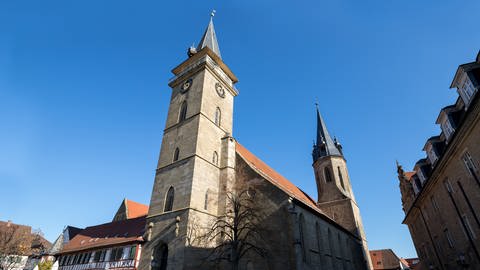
x: 84, y: 95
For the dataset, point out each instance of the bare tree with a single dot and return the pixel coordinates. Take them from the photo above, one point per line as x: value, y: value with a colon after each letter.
x: 15, y: 241
x: 239, y: 231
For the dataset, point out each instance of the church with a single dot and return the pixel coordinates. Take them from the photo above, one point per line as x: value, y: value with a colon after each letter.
x: 200, y: 162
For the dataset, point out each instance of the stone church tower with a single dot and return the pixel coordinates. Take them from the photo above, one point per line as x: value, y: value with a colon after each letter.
x: 335, y: 194
x: 197, y: 157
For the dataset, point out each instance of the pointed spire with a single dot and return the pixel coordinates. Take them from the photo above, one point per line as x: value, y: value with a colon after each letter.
x: 209, y: 38
x: 324, y: 146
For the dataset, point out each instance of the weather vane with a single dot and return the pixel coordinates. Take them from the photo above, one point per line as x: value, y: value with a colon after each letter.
x: 212, y: 14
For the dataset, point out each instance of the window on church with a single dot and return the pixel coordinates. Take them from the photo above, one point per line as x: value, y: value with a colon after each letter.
x: 169, y: 200
x: 302, y: 239
x: 176, y: 154
x: 183, y: 112
x: 341, y: 178
x: 215, y: 158
x: 218, y: 116
x: 328, y: 175
x: 205, y: 206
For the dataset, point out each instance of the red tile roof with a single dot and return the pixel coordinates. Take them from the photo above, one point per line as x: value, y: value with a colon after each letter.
x: 409, y: 175
x: 135, y: 209
x: 108, y: 234
x: 275, y: 178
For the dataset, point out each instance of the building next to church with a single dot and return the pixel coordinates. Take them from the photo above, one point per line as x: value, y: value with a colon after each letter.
x: 441, y: 196
x: 200, y: 161
x: 386, y: 259
x: 114, y: 245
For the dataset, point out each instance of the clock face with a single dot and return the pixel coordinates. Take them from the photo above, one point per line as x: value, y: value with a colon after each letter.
x: 220, y: 90
x: 186, y: 85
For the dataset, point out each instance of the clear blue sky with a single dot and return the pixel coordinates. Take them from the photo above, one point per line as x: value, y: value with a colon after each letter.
x: 84, y: 95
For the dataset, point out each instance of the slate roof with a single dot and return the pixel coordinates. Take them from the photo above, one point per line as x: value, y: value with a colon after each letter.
x: 209, y: 39
x: 324, y: 146
x: 108, y: 234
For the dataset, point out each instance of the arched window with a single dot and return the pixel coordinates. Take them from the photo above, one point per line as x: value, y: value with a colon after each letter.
x: 302, y: 239
x: 160, y: 257
x: 183, y: 112
x: 169, y: 200
x: 175, y: 154
x: 328, y: 175
x: 341, y: 177
x: 218, y: 116
x: 205, y: 206
x: 215, y: 158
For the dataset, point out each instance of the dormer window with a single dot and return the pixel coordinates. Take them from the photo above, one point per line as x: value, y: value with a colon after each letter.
x: 421, y: 175
x: 447, y: 127
x: 416, y: 185
x: 467, y: 90
x: 432, y: 155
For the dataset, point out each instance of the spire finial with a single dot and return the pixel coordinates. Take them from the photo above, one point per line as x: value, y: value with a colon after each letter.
x: 212, y: 14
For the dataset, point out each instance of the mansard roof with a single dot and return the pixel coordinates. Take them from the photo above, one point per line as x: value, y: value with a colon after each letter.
x: 108, y: 234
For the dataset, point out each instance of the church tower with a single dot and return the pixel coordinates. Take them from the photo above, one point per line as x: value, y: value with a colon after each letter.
x: 335, y: 194
x: 197, y: 158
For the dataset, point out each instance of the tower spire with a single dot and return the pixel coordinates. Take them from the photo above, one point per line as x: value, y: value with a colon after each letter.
x: 209, y: 38
x: 324, y: 146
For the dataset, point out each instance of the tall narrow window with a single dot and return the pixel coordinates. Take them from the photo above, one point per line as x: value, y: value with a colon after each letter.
x: 328, y: 175
x: 215, y: 158
x: 169, y: 200
x: 318, y: 233
x: 448, y: 186
x: 218, y: 116
x: 183, y: 112
x: 302, y: 239
x: 469, y: 227
x: 205, y: 206
x: 176, y: 154
x: 341, y: 178
x: 449, y: 238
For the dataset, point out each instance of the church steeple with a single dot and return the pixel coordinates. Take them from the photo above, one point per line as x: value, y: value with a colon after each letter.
x: 324, y: 146
x: 209, y: 38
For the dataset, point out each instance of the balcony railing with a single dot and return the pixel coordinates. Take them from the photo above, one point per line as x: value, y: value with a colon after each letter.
x: 122, y: 264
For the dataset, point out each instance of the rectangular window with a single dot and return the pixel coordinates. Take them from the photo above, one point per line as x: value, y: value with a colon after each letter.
x: 448, y: 186
x: 468, y: 89
x: 421, y: 176
x: 434, y: 204
x: 447, y: 127
x: 86, y: 259
x: 132, y: 253
x: 469, y: 228
x: 469, y: 163
x: 116, y: 254
x: 432, y: 156
x: 96, y: 257
x: 449, y: 238
x: 102, y: 255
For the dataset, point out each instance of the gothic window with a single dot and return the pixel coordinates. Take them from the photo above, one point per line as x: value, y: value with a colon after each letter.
x: 318, y: 232
x: 175, y: 154
x: 160, y: 257
x: 205, y: 206
x: 330, y: 243
x: 302, y: 239
x: 218, y: 116
x: 183, y: 112
x: 328, y: 175
x: 341, y: 178
x: 169, y: 200
x: 215, y: 158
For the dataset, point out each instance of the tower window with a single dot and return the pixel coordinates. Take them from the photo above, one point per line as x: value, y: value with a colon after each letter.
x: 205, y: 206
x: 176, y: 154
x: 218, y: 116
x: 328, y: 175
x: 341, y: 177
x: 183, y: 112
x: 215, y: 158
x: 169, y: 200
